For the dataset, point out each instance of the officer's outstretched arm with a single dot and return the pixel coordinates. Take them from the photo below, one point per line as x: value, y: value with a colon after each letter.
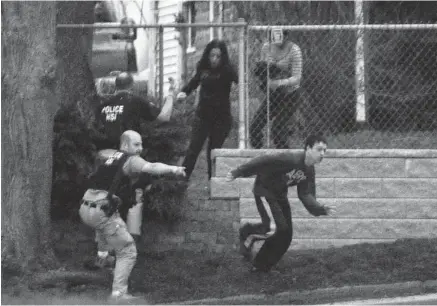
x: 160, y: 168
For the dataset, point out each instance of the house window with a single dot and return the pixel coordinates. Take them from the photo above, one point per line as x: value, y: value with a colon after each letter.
x: 191, y: 19
x: 191, y: 11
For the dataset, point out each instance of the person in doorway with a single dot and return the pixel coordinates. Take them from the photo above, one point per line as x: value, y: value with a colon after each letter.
x: 283, y: 59
x: 213, y: 118
x: 124, y: 111
x: 274, y: 174
x: 99, y: 206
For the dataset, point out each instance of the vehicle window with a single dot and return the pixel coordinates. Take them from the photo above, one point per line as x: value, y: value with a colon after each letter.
x: 104, y: 12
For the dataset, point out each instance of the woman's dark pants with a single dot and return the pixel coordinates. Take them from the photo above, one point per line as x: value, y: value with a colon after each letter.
x: 282, y: 107
x: 216, y: 129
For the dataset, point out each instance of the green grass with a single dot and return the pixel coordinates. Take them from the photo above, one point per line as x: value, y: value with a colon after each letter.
x: 177, y: 276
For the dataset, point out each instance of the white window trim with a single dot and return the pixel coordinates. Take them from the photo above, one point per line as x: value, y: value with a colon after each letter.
x: 190, y: 47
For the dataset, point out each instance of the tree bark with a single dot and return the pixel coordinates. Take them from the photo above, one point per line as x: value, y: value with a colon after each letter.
x: 29, y: 104
x: 73, y: 48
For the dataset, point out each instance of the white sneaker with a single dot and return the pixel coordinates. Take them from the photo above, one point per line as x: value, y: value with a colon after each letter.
x: 118, y: 296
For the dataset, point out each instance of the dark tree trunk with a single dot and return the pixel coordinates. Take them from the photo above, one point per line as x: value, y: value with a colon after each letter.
x: 28, y: 107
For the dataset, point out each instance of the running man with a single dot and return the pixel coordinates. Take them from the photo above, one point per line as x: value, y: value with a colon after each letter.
x: 274, y: 174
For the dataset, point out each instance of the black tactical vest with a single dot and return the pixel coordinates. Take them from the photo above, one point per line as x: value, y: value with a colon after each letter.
x: 103, y: 176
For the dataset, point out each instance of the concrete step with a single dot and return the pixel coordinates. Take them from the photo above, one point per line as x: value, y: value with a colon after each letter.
x: 356, y: 208
x: 339, y: 188
x: 354, y: 167
x: 304, y: 244
x: 342, y: 228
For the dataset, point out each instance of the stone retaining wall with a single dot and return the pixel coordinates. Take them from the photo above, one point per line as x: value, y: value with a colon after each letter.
x: 380, y: 195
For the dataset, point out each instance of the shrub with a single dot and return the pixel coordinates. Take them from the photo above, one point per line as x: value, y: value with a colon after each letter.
x: 74, y: 150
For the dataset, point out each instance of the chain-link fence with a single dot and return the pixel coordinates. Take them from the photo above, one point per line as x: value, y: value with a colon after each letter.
x: 396, y: 86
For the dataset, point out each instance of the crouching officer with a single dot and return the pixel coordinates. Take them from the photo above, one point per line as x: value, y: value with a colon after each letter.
x: 99, y: 208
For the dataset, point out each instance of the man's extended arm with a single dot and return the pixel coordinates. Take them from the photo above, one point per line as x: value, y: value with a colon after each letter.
x: 306, y: 192
x: 136, y: 164
x: 263, y: 164
x: 160, y: 168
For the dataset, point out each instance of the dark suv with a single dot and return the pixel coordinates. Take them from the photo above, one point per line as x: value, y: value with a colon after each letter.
x: 113, y: 48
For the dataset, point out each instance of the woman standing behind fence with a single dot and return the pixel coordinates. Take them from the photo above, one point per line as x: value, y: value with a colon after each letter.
x: 283, y: 58
x: 213, y: 114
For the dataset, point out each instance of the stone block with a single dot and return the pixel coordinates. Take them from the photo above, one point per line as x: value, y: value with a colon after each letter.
x: 357, y: 208
x: 324, y: 187
x: 234, y: 205
x: 361, y: 167
x: 324, y: 228
x: 214, y: 205
x: 305, y: 244
x: 220, y: 189
x: 227, y: 237
x: 189, y: 226
x: 199, y: 215
x: 410, y: 188
x: 334, y: 153
x: 225, y: 164
x: 192, y: 246
x: 214, y: 226
x: 358, y: 188
x: 171, y: 238
x: 225, y: 215
x: 421, y: 167
x: 204, y: 237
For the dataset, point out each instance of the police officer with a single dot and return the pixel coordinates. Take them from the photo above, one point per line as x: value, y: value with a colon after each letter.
x: 115, y: 168
x: 124, y: 111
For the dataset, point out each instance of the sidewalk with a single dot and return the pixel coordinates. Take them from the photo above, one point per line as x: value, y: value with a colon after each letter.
x: 326, y: 295
x: 426, y: 299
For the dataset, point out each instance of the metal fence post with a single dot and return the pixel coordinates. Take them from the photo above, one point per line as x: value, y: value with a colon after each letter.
x: 246, y: 88
x: 268, y: 88
x: 161, y: 65
x: 360, y: 82
x: 242, y: 109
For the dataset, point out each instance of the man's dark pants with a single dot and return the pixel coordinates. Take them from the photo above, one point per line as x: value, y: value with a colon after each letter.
x: 276, y: 245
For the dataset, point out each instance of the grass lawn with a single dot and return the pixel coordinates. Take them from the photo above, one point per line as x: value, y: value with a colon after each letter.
x: 177, y: 276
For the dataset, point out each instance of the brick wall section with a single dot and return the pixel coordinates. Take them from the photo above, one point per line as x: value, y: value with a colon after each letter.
x: 380, y: 195
x: 209, y: 225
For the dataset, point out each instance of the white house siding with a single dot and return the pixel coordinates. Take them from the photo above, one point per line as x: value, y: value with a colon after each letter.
x: 167, y: 9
